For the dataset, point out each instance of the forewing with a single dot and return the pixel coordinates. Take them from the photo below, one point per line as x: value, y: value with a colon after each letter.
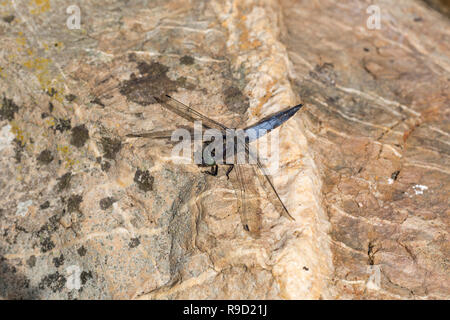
x: 164, y: 134
x: 167, y: 134
x: 188, y: 113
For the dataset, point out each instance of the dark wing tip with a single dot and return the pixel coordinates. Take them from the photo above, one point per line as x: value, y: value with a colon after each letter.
x: 290, y: 217
x: 133, y: 135
x: 286, y: 212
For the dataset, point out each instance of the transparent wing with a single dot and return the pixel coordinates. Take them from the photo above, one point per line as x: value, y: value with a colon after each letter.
x: 188, y: 113
x: 262, y: 175
x: 248, y: 200
x: 267, y: 183
x: 164, y: 134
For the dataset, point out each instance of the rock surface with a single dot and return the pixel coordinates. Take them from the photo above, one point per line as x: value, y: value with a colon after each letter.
x: 88, y: 213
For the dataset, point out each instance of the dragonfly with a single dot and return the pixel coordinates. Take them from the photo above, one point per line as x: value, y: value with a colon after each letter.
x: 247, y: 207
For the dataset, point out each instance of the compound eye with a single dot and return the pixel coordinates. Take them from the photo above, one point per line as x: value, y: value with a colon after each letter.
x: 209, y: 160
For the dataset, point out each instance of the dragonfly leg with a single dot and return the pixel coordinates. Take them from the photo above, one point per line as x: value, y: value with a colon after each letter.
x: 230, y: 168
x: 214, y: 170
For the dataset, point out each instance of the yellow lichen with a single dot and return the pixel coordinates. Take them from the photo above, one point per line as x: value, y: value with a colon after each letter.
x: 47, y: 82
x: 63, y: 149
x: 21, y: 40
x: 50, y: 122
x: 40, y: 66
x: 245, y: 43
x: 37, y: 63
x: 264, y: 99
x: 65, y: 154
x: 18, y: 133
x: 39, y: 6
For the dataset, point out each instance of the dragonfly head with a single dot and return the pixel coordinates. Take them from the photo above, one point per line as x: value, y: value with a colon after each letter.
x: 208, y: 159
x: 208, y: 154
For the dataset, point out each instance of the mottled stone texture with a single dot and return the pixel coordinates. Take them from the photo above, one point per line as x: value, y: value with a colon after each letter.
x: 88, y: 213
x: 378, y: 126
